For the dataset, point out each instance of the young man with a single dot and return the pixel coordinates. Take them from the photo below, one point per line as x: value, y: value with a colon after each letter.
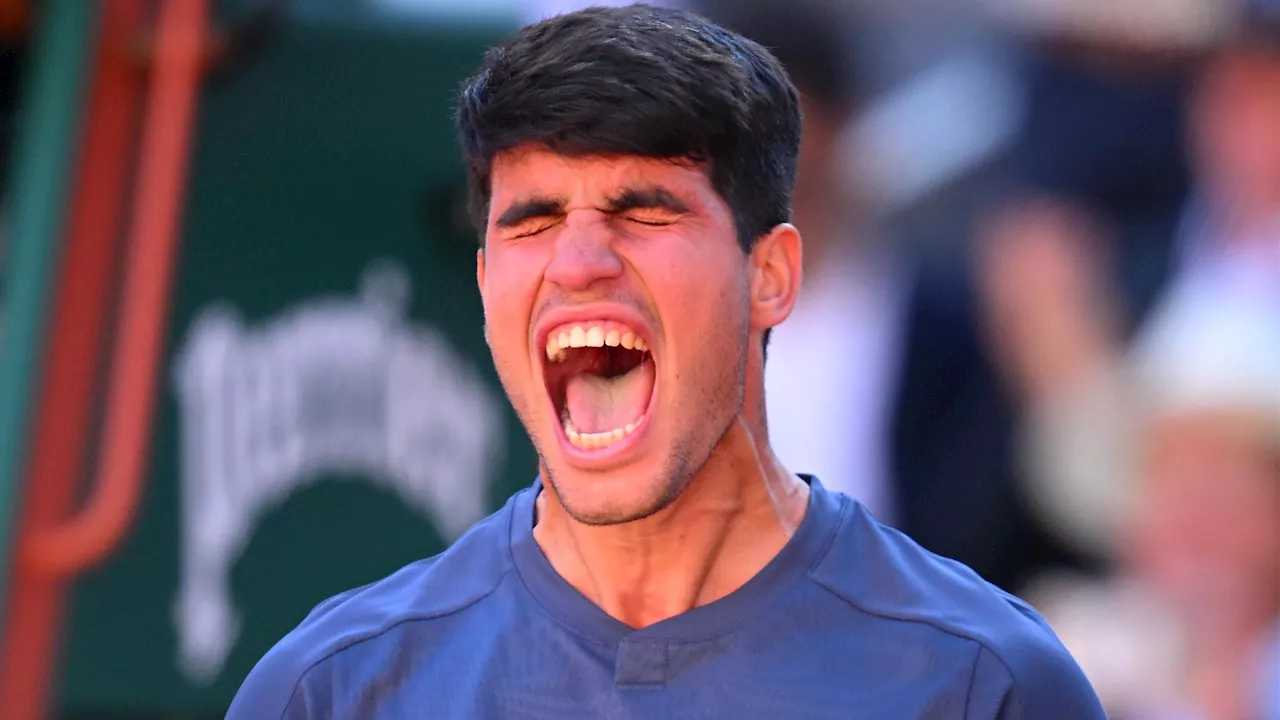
x: 631, y: 171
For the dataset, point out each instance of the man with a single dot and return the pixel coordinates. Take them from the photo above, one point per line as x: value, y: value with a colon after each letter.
x: 631, y: 169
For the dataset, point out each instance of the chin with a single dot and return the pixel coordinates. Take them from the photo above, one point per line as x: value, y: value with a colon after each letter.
x: 613, y: 497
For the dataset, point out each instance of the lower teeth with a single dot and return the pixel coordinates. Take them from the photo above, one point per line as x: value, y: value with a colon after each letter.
x: 596, y: 440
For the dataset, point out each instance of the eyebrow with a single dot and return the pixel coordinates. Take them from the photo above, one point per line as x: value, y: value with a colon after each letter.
x: 628, y: 199
x: 521, y: 210
x: 646, y: 197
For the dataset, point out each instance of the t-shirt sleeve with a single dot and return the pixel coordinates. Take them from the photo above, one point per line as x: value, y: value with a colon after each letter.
x: 268, y: 692
x: 1038, y: 681
x: 272, y: 689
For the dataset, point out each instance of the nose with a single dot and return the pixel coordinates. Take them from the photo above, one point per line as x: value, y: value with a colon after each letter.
x: 584, y: 253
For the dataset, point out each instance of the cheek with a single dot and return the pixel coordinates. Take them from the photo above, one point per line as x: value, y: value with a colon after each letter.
x: 702, y: 276
x: 704, y: 313
x: 511, y: 283
x: 702, y: 301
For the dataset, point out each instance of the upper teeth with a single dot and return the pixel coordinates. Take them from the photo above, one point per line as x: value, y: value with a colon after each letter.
x: 591, y: 335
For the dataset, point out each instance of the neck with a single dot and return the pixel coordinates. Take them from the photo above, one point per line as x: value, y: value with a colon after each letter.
x: 735, y: 515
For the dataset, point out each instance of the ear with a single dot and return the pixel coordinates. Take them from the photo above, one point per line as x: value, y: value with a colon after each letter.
x: 775, y: 266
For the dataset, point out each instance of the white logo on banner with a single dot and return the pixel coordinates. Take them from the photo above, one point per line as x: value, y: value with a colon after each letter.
x: 333, y: 386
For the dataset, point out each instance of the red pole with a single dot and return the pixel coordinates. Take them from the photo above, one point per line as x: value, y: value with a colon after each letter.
x: 177, y: 64
x: 74, y: 356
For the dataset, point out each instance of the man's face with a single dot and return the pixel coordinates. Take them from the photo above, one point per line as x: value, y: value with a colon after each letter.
x: 616, y: 308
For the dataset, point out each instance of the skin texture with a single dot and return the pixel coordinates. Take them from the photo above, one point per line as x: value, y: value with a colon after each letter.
x: 696, y: 503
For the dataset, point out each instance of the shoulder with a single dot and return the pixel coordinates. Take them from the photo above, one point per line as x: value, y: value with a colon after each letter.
x: 1018, y: 659
x: 437, y: 587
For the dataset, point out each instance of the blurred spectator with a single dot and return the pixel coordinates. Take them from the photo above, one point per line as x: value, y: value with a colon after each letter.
x: 1056, y: 314
x: 1086, y: 240
x: 1165, y: 456
x: 1106, y: 130
x: 1101, y: 126
x: 1190, y: 626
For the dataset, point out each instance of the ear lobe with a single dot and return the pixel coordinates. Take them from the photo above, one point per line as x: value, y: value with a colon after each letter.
x: 776, y: 276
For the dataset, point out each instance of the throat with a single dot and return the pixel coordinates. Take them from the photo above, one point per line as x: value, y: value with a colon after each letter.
x: 703, y: 547
x: 635, y: 582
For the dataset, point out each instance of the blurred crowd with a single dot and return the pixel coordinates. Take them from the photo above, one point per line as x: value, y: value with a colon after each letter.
x: 1060, y: 361
x: 1040, y: 324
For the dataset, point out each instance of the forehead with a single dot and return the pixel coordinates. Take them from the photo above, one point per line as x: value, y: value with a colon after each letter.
x: 536, y: 170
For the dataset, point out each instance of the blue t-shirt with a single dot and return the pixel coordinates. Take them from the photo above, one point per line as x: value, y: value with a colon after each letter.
x: 850, y: 620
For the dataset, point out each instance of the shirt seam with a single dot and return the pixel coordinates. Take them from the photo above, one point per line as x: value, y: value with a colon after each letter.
x: 973, y: 680
x: 386, y: 629
x: 982, y: 644
x: 293, y: 695
x: 1012, y: 600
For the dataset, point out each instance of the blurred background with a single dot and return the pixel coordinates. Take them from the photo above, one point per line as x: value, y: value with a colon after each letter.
x: 242, y: 364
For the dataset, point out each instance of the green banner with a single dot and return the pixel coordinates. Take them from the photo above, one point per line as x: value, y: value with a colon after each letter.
x: 330, y: 412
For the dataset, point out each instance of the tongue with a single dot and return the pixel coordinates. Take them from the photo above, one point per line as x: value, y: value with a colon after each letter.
x: 597, y: 404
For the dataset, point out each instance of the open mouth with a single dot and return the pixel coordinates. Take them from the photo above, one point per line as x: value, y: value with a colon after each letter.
x: 600, y: 377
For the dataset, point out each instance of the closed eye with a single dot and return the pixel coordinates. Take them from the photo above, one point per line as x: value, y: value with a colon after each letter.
x: 535, y: 226
x: 650, y: 220
x: 649, y: 206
